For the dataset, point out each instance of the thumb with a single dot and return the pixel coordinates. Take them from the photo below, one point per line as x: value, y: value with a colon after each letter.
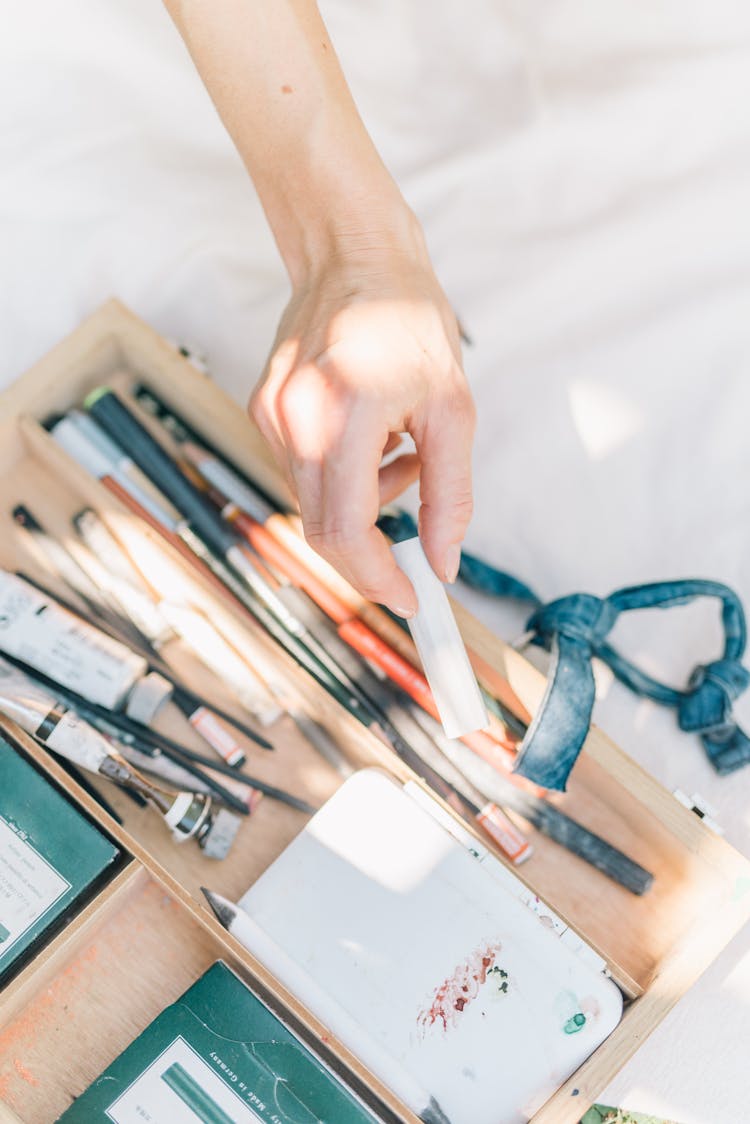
x: 444, y: 446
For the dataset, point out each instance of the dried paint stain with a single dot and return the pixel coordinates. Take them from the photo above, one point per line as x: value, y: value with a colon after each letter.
x: 572, y: 1011
x: 457, y: 991
x: 574, y: 1024
x: 499, y: 977
x: 24, y: 1073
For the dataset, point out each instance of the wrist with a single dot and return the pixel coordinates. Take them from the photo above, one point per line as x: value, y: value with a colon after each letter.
x: 351, y: 231
x: 334, y: 204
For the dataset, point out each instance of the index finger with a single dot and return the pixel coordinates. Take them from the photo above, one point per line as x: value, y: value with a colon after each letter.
x: 346, y: 534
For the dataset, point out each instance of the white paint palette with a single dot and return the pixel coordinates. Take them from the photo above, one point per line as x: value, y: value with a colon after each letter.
x: 434, y: 957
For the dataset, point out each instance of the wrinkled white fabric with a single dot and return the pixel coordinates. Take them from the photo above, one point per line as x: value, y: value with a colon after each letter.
x: 583, y: 174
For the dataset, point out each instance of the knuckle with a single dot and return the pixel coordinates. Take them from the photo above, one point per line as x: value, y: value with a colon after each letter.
x: 462, y: 407
x: 256, y: 409
x: 370, y: 592
x: 295, y: 400
x: 259, y: 406
x: 334, y: 539
x: 465, y: 512
x: 282, y: 360
x: 460, y: 506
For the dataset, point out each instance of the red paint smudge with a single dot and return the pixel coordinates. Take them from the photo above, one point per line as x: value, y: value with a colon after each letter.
x: 5, y: 1093
x: 456, y: 992
x: 286, y: 90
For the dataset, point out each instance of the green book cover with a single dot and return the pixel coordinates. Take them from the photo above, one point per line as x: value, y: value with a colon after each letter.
x: 220, y: 1056
x: 49, y: 855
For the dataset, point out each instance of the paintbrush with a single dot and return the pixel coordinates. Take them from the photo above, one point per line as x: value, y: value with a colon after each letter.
x: 151, y: 760
x: 235, y: 506
x: 545, y: 816
x: 225, y: 475
x: 187, y: 814
x: 121, y: 727
x: 61, y: 564
x: 316, y: 735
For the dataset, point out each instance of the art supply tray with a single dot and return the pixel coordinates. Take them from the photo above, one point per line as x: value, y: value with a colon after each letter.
x: 148, y: 934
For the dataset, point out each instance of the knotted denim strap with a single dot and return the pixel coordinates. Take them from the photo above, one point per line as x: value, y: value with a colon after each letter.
x: 575, y: 628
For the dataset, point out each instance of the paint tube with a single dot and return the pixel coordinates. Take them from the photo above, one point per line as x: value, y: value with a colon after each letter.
x: 187, y: 814
x: 37, y: 712
x: 41, y: 633
x: 173, y: 773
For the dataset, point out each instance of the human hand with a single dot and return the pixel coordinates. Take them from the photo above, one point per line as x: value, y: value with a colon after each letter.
x: 368, y: 349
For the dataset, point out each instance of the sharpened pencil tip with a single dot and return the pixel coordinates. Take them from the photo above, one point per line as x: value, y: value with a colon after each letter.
x: 434, y: 1114
x: 224, y: 911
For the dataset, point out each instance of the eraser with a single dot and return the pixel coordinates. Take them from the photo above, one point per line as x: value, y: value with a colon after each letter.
x: 218, y: 840
x: 441, y: 649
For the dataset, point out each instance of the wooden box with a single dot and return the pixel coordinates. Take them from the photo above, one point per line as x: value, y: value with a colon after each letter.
x: 144, y: 938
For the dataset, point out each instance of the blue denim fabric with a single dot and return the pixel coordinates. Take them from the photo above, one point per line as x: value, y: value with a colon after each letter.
x: 574, y: 629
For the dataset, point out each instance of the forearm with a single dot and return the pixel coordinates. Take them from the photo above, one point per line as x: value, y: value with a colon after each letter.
x: 368, y: 347
x: 273, y: 75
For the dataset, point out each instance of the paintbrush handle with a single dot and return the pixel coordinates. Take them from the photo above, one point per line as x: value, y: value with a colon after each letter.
x: 121, y: 425
x: 546, y: 818
x: 577, y: 839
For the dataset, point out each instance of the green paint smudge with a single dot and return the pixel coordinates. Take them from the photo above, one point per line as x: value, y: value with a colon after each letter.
x: 574, y: 1024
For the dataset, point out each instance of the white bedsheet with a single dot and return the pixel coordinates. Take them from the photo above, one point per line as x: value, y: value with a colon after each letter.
x: 583, y: 174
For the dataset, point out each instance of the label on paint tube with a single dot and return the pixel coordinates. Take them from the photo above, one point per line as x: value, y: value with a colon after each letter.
x: 37, y: 712
x: 80, y: 743
x: 43, y: 634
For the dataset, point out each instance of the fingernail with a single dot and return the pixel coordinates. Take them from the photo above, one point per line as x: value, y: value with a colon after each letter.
x: 452, y: 561
x: 407, y: 614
